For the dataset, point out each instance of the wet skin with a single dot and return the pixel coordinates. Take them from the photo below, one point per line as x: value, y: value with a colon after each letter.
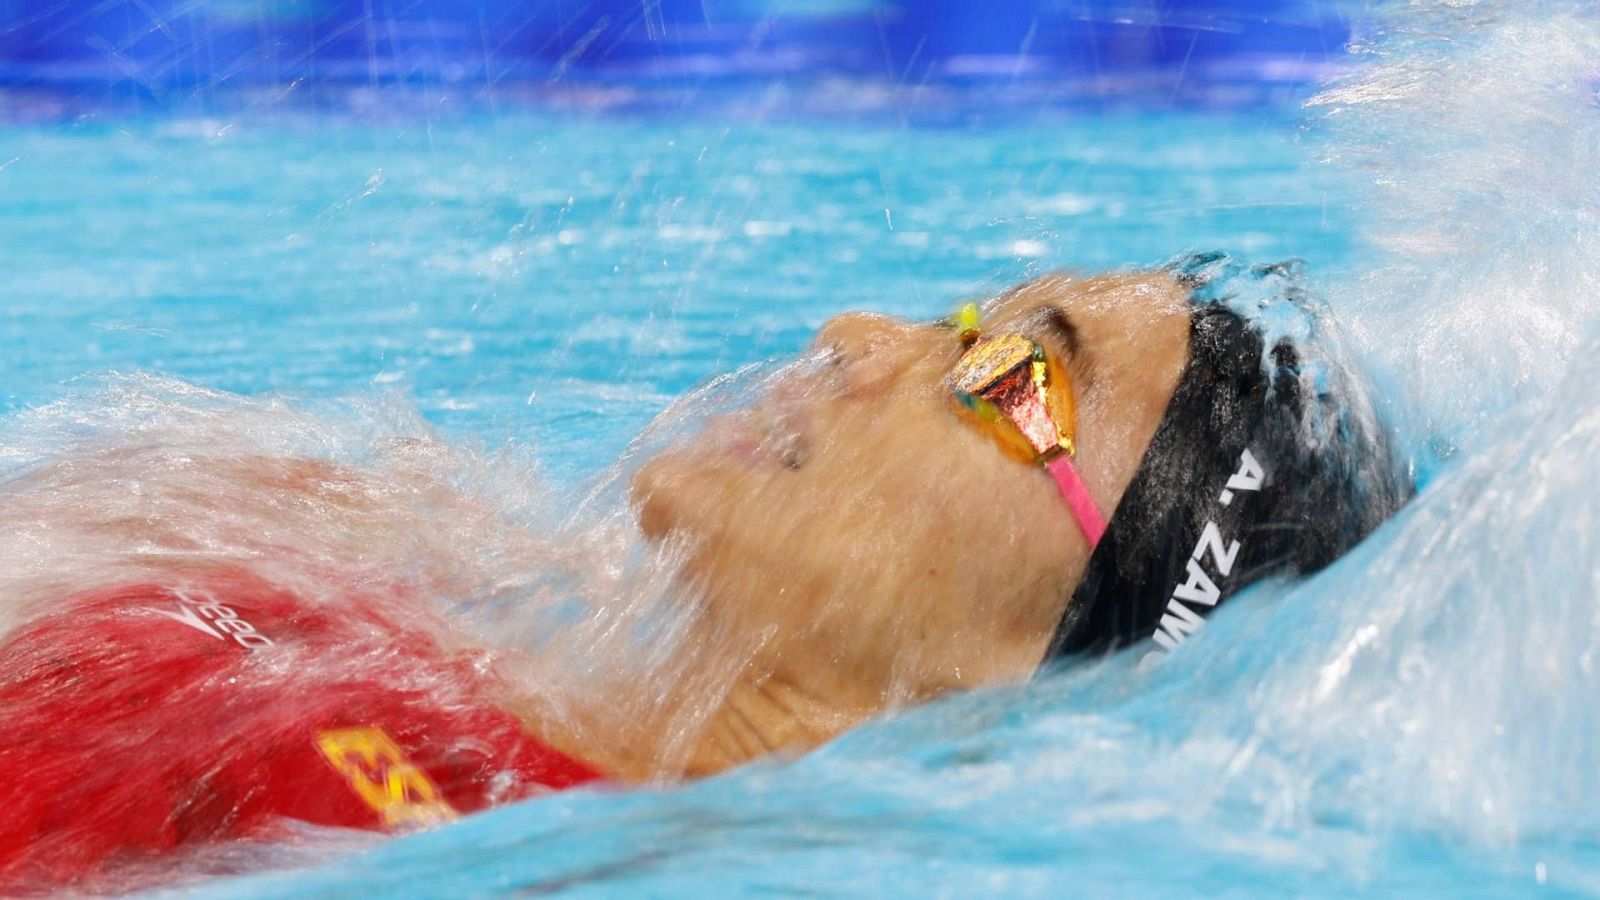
x: 856, y: 542
x: 870, y: 546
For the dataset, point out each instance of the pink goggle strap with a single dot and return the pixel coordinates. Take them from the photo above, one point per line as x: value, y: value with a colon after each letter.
x: 1076, y: 493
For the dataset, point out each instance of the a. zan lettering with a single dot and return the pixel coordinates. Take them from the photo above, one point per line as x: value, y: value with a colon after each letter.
x: 209, y: 617
x: 1199, y: 588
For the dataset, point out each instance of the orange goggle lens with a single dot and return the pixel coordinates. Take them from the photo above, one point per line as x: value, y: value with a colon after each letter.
x: 1017, y: 392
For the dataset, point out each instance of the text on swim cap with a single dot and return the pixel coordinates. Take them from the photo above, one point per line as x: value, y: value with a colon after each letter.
x: 1199, y: 588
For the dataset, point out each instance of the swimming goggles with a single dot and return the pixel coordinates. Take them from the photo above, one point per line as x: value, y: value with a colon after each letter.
x: 1016, y: 390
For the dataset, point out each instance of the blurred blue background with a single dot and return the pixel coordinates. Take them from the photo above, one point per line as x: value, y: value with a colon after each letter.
x: 187, y: 53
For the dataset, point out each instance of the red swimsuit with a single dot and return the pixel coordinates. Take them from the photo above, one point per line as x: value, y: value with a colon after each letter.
x: 136, y: 719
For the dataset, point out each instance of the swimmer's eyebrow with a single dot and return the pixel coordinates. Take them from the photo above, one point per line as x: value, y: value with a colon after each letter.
x: 1060, y: 324
x: 1053, y: 319
x: 1061, y: 329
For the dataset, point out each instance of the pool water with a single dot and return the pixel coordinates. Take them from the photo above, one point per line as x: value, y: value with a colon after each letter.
x: 1419, y: 717
x: 556, y: 281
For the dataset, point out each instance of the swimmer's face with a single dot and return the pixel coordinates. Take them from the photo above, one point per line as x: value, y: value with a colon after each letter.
x: 871, y: 544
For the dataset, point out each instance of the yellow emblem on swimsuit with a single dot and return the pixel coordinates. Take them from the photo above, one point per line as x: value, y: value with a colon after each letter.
x: 381, y: 775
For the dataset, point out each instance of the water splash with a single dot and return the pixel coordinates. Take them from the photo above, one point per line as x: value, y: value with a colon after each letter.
x: 1420, y: 713
x: 1474, y: 128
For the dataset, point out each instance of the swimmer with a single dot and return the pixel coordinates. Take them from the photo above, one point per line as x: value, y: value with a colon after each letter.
x: 1073, y: 467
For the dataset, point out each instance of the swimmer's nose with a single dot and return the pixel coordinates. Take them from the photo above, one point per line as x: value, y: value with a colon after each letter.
x: 869, y: 350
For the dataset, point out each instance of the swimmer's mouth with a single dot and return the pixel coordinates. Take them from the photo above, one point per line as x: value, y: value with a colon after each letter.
x: 767, y: 438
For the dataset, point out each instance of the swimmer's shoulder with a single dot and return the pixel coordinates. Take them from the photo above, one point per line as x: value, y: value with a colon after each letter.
x: 164, y: 618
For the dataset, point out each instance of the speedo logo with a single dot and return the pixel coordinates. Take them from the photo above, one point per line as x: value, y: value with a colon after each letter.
x: 213, y: 619
x: 1199, y: 589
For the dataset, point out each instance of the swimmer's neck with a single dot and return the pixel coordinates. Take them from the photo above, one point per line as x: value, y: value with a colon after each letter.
x: 766, y: 716
x: 762, y: 715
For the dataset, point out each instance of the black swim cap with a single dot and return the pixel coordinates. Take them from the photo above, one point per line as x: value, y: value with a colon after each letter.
x: 1267, y: 461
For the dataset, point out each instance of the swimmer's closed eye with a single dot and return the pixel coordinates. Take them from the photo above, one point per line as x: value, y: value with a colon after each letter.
x: 1017, y: 392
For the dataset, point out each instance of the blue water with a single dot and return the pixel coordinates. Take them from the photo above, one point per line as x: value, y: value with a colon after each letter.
x: 556, y: 281
x: 1419, y: 718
